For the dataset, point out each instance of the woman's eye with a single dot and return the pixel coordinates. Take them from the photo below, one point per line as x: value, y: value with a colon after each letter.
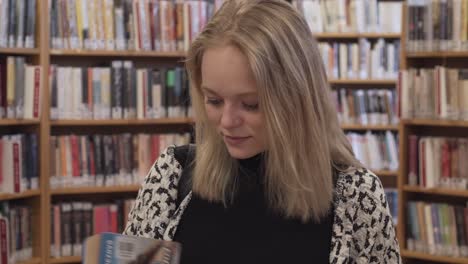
x: 250, y: 107
x: 213, y: 101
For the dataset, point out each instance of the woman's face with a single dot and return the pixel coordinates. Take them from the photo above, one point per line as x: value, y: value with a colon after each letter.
x: 231, y: 101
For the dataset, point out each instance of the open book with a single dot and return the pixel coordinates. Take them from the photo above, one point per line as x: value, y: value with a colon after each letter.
x: 110, y: 248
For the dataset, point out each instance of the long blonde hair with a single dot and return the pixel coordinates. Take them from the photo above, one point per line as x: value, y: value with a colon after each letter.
x: 305, y: 141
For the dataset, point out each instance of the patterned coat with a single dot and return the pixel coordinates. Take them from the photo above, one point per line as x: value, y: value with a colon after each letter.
x: 362, y: 232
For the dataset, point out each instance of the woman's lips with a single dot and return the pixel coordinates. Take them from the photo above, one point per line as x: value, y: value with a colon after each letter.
x: 235, y: 140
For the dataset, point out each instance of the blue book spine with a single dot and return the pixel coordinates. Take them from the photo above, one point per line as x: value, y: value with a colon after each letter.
x: 107, y: 255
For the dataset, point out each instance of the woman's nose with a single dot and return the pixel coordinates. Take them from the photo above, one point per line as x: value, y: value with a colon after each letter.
x: 230, y: 117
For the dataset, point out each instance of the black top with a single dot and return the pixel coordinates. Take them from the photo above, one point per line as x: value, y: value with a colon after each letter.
x: 248, y: 231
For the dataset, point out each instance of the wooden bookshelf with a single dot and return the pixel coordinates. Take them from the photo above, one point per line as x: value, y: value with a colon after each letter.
x: 95, y: 190
x: 435, y: 123
x: 123, y: 53
x: 363, y: 81
x: 437, y: 54
x: 19, y: 51
x: 425, y: 127
x: 342, y: 35
x: 30, y: 261
x: 436, y: 191
x: 18, y: 122
x: 358, y: 127
x: 43, y: 198
x: 386, y: 173
x: 122, y: 122
x: 22, y: 195
x: 433, y: 258
x: 63, y: 260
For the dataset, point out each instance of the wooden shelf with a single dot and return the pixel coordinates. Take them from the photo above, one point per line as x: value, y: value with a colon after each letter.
x: 122, y: 122
x: 369, y: 127
x: 437, y: 191
x: 433, y: 258
x: 437, y: 54
x: 22, y: 195
x: 112, y: 53
x: 19, y: 51
x: 386, y: 173
x: 435, y: 122
x: 95, y: 190
x: 342, y: 35
x: 363, y: 81
x: 18, y: 122
x: 30, y: 261
x: 76, y: 259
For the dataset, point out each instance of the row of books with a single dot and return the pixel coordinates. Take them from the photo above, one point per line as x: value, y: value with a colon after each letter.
x: 361, y: 60
x: 392, y: 200
x: 18, y: 23
x: 19, y: 163
x: 20, y: 88
x: 438, y: 92
x: 119, y: 91
x: 73, y: 222
x: 437, y: 228
x: 376, y: 150
x: 106, y: 160
x: 438, y: 162
x: 351, y: 15
x: 158, y: 25
x: 15, y: 233
x: 437, y: 25
x: 366, y: 107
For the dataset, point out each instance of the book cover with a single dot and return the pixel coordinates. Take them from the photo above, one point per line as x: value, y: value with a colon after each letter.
x: 117, y: 248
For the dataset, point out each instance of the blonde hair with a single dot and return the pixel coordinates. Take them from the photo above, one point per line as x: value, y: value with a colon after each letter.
x: 304, y: 139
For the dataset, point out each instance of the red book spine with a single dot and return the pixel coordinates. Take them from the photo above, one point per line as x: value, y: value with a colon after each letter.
x: 1, y: 161
x: 445, y: 161
x: 37, y: 85
x: 101, y: 219
x: 113, y: 218
x: 145, y: 89
x: 16, y: 167
x: 3, y: 241
x: 92, y: 165
x: 75, y: 157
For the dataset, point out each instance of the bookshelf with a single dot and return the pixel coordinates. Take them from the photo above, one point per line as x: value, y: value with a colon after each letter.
x: 64, y: 260
x: 22, y: 195
x: 344, y: 35
x: 19, y: 51
x: 362, y: 82
x: 122, y: 122
x: 368, y: 127
x: 41, y: 200
x: 437, y: 54
x: 436, y: 127
x: 122, y: 54
x: 431, y: 258
x: 96, y: 190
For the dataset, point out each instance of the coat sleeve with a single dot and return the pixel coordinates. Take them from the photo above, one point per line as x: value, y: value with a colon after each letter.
x: 386, y: 248
x: 156, y: 200
x: 376, y: 242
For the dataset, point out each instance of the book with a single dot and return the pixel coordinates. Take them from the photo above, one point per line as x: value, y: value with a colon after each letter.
x: 116, y: 248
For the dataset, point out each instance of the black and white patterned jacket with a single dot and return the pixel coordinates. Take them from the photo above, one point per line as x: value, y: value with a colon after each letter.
x: 362, y: 230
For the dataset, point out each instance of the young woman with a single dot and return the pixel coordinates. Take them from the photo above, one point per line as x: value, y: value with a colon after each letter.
x: 273, y: 178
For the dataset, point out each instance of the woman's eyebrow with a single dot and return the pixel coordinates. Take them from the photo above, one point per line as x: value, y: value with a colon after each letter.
x: 208, y: 90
